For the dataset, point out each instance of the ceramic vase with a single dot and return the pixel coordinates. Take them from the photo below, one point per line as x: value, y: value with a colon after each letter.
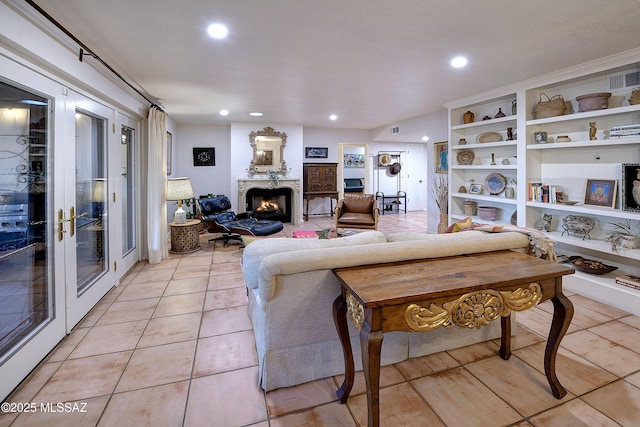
x: 443, y: 224
x: 636, y: 188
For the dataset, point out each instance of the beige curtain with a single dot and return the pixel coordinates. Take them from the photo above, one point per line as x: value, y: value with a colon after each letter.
x: 156, y: 187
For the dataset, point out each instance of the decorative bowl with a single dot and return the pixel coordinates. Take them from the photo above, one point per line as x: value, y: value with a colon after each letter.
x: 488, y: 137
x: 590, y: 266
x: 593, y: 101
x: 563, y: 138
x: 465, y: 157
x: 487, y: 213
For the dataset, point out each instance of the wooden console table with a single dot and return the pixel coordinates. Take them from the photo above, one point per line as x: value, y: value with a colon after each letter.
x: 423, y: 295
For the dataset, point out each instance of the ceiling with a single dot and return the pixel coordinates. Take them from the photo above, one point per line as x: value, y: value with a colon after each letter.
x: 371, y: 62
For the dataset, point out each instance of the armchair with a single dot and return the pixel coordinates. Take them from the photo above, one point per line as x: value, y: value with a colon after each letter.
x: 357, y: 211
x: 215, y: 213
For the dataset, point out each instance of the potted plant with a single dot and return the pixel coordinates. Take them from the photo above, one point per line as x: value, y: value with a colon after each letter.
x: 622, y: 236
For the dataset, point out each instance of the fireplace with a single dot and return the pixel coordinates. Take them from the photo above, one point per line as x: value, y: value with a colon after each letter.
x: 274, y: 204
x: 261, y: 182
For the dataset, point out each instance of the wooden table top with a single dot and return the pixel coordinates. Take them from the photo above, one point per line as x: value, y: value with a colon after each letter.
x: 382, y: 285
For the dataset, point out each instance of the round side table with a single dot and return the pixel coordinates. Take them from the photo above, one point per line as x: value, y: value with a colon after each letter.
x: 185, y: 238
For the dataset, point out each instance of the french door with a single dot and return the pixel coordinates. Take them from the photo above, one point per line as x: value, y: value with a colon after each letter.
x: 56, y: 215
x: 84, y: 222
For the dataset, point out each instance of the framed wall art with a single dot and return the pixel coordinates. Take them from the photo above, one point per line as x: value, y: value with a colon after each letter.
x: 601, y: 192
x: 204, y: 156
x: 441, y: 156
x: 353, y: 160
x: 316, y: 152
x: 630, y: 189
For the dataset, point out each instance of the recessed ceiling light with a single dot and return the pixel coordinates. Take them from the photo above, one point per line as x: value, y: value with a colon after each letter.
x: 224, y: 112
x: 256, y: 114
x: 459, y: 62
x: 425, y: 138
x: 217, y: 31
x: 333, y: 117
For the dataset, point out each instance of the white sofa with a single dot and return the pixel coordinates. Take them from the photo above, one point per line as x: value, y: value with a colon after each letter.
x: 291, y: 290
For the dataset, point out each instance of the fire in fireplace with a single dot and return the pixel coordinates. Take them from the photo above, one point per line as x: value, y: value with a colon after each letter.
x: 274, y: 204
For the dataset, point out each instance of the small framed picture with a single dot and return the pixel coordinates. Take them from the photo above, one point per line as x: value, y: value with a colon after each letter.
x: 204, y: 156
x: 475, y: 188
x: 316, y: 152
x: 540, y: 137
x: 601, y: 192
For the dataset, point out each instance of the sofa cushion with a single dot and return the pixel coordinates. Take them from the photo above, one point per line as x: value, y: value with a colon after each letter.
x: 359, y: 203
x: 254, y: 254
x: 403, y: 236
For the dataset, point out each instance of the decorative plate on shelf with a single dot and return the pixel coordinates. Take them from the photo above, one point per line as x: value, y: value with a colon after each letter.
x: 465, y: 157
x: 495, y: 183
x: 590, y: 266
x: 488, y: 137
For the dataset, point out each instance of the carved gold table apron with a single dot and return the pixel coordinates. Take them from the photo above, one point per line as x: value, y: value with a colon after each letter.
x: 423, y: 295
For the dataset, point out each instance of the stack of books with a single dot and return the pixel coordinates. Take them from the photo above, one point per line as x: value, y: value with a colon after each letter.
x: 629, y: 280
x: 627, y: 131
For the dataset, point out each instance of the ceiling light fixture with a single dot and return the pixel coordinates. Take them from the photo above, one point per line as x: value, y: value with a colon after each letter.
x: 256, y: 114
x: 224, y: 112
x: 425, y: 138
x: 459, y: 62
x: 333, y: 117
x: 217, y: 31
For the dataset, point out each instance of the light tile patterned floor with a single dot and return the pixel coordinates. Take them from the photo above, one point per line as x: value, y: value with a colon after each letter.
x: 173, y: 346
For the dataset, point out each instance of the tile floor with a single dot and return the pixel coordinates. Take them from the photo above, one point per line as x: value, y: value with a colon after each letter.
x: 173, y: 346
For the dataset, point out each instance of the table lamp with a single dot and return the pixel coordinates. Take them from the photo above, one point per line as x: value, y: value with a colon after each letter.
x: 179, y: 189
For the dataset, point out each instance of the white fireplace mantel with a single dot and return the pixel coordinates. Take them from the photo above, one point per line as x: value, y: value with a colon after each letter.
x: 259, y: 181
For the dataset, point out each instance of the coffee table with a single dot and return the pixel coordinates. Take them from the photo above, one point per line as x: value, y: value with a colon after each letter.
x: 423, y: 295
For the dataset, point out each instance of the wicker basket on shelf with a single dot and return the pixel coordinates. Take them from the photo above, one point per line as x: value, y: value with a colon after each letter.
x: 554, y: 106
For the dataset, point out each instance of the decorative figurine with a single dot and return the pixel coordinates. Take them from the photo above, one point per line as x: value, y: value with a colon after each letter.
x: 493, y: 159
x: 592, y: 131
x: 500, y: 113
x: 509, y: 134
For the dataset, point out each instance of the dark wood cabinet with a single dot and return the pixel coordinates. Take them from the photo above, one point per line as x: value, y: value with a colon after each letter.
x: 319, y: 180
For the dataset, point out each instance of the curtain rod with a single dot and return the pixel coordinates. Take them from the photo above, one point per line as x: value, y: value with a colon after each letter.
x: 84, y: 50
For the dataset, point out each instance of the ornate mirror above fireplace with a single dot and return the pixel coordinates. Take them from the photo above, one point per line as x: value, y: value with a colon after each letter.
x: 268, y: 148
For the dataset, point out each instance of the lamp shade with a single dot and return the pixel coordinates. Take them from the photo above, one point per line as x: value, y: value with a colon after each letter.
x: 179, y: 189
x: 98, y: 190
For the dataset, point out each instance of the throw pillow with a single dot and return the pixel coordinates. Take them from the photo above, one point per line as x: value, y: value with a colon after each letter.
x: 463, y: 224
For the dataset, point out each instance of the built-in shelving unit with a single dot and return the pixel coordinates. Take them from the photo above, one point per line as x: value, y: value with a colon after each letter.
x: 566, y: 165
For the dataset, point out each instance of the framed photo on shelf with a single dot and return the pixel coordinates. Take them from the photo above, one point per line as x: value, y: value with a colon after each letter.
x: 601, y: 192
x: 630, y: 180
x: 475, y: 188
x: 441, y: 156
x: 540, y: 137
x: 204, y: 156
x: 316, y: 152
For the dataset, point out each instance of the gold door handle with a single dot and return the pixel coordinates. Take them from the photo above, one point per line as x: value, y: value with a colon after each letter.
x: 72, y: 219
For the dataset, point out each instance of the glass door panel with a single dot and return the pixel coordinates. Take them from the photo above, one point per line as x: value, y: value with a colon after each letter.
x: 29, y: 324
x: 127, y: 190
x: 91, y: 207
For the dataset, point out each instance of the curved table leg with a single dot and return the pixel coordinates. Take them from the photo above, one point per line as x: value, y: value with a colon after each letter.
x: 371, y: 344
x: 340, y: 320
x: 562, y: 315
